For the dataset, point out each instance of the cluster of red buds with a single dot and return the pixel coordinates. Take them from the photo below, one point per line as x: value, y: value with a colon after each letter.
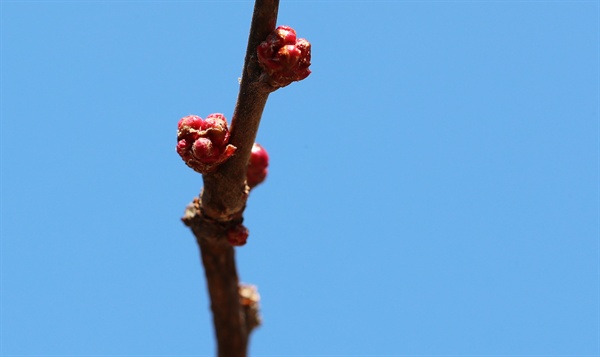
x: 284, y: 58
x: 203, y: 144
x: 257, y: 166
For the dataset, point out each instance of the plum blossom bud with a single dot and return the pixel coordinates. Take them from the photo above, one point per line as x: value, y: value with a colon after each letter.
x: 284, y: 58
x: 238, y: 235
x: 203, y: 144
x: 257, y: 166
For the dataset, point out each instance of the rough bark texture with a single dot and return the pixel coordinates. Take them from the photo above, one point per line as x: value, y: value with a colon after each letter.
x: 223, y: 199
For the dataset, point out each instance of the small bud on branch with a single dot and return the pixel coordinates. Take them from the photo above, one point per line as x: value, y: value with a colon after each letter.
x: 284, y: 58
x: 257, y: 166
x: 203, y: 144
x: 238, y: 235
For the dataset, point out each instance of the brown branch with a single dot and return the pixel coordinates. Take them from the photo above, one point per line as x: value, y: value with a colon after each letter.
x: 223, y: 199
x: 224, y: 195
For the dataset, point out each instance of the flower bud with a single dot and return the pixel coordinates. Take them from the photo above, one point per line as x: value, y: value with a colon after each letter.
x: 257, y: 165
x: 284, y: 58
x: 238, y: 235
x: 203, y: 144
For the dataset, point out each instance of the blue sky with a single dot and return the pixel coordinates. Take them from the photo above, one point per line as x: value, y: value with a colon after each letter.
x: 433, y: 188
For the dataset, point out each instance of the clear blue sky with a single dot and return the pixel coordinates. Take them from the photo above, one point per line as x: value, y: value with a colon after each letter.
x: 433, y: 187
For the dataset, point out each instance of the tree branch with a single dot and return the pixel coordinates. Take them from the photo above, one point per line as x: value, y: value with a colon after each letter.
x: 223, y: 199
x: 225, y: 194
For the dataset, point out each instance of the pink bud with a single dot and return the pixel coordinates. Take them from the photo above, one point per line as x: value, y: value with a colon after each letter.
x: 216, y: 117
x: 203, y: 144
x: 257, y: 166
x: 216, y: 127
x: 238, y: 235
x: 204, y: 151
x: 191, y: 121
x: 284, y: 58
x: 183, y: 148
x: 287, y: 33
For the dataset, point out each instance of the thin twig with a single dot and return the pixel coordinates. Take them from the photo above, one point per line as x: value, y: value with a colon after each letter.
x: 223, y: 199
x: 224, y: 195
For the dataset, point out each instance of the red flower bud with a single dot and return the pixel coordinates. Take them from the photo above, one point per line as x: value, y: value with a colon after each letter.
x: 203, y: 144
x: 237, y: 235
x: 257, y: 165
x: 191, y: 121
x: 284, y: 58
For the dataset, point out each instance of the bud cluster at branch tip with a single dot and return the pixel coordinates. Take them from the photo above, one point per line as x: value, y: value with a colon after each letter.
x: 284, y: 58
x: 203, y: 144
x: 257, y: 166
